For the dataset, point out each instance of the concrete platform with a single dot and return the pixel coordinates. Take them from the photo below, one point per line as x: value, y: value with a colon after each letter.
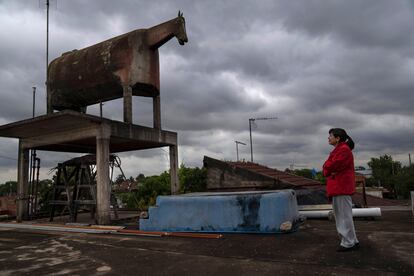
x: 255, y: 212
x: 386, y: 249
x: 70, y: 131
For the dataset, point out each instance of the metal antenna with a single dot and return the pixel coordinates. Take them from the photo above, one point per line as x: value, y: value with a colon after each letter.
x: 251, y: 120
x: 47, y: 50
x: 48, y: 3
x: 34, y: 100
x: 237, y: 148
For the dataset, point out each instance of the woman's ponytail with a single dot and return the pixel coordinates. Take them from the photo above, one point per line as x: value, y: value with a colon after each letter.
x: 350, y: 142
x: 343, y: 136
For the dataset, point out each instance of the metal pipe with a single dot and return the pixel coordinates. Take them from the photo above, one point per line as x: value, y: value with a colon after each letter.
x: 237, y: 148
x: 251, y: 143
x: 356, y: 212
x: 47, y: 46
x: 36, y: 186
x: 57, y: 228
x: 34, y: 100
x: 250, y: 129
x: 30, y: 182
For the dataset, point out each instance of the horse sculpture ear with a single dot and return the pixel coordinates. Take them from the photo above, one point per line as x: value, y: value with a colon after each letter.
x: 180, y: 14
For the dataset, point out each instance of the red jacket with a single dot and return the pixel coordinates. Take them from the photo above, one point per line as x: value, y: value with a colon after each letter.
x: 340, y: 172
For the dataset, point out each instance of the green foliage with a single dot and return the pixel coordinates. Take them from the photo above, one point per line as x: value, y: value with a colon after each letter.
x: 303, y: 172
x: 119, y: 179
x: 319, y: 177
x: 307, y: 173
x: 8, y: 188
x: 148, y: 190
x: 45, y: 190
x: 140, y: 178
x: 390, y: 174
x: 404, y: 182
x: 371, y: 182
x: 192, y: 179
x: 384, y: 169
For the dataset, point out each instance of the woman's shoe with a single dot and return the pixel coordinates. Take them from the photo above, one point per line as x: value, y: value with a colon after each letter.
x: 345, y: 249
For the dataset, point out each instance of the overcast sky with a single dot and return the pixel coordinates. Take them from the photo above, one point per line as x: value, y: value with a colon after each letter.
x: 314, y: 64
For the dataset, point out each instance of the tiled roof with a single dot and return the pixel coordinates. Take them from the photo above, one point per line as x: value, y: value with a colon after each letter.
x: 284, y: 177
x: 299, y: 182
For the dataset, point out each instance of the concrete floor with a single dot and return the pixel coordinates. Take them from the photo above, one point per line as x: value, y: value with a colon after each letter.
x: 387, y: 248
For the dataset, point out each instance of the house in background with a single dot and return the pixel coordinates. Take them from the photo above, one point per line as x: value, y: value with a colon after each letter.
x: 8, y: 205
x: 247, y: 176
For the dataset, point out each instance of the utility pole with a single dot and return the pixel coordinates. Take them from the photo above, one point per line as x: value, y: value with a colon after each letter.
x: 34, y: 100
x: 237, y: 148
x: 409, y: 160
x: 251, y: 120
x: 48, y: 4
x: 31, y: 163
x: 47, y: 49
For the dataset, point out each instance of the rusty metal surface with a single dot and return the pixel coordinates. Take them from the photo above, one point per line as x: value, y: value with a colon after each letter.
x: 98, y: 73
x: 89, y: 159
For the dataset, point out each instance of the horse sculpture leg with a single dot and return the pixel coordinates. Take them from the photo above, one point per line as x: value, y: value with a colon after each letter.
x: 127, y: 104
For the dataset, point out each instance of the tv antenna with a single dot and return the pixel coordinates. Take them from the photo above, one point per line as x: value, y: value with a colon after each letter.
x: 252, y: 121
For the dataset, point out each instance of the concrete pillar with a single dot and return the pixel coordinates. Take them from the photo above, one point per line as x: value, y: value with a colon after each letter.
x: 103, y: 188
x: 22, y: 182
x: 175, y: 186
x: 49, y: 108
x: 157, y: 112
x: 127, y: 104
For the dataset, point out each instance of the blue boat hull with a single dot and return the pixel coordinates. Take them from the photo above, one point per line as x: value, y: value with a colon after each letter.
x: 246, y: 212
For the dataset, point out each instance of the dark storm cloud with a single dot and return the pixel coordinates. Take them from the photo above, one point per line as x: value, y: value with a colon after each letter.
x: 360, y: 23
x: 314, y: 64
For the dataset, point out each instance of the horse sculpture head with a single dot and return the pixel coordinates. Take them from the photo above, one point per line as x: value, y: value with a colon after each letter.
x: 180, y: 33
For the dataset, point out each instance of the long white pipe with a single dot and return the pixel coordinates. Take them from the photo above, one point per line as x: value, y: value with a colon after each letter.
x: 366, y: 212
x: 56, y: 228
x: 356, y: 212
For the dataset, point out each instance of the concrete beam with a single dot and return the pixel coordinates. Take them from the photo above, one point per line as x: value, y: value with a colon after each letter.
x: 61, y: 137
x: 143, y: 134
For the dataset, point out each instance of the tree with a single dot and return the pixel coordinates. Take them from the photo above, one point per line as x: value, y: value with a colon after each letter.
x: 119, y: 179
x: 192, y: 179
x: 307, y: 173
x: 45, y: 191
x: 384, y: 169
x: 404, y: 182
x: 148, y: 190
x: 8, y: 188
x: 140, y: 178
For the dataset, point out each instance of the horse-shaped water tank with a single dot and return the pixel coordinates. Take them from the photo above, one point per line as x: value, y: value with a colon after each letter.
x: 122, y: 66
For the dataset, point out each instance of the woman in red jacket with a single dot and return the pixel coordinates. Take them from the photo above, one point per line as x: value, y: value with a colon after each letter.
x: 340, y: 185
